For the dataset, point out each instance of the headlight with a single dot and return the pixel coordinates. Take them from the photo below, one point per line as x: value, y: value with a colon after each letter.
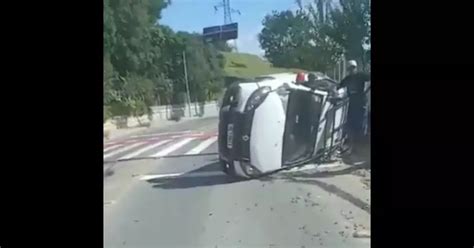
x: 257, y: 98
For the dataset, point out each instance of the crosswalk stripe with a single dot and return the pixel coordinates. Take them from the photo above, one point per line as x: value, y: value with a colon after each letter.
x: 111, y: 147
x: 201, y: 147
x: 162, y: 134
x: 123, y: 149
x: 172, y: 148
x: 144, y: 149
x: 150, y: 177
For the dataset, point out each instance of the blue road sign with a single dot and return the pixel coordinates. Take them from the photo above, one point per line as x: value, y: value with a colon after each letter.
x: 224, y: 32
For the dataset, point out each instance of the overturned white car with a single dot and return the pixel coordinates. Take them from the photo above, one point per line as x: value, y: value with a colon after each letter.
x: 272, y: 124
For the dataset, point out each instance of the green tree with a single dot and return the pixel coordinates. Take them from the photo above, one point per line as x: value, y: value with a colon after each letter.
x: 316, y: 35
x: 349, y: 26
x: 204, y: 66
x: 143, y: 62
x: 130, y: 56
x: 294, y: 40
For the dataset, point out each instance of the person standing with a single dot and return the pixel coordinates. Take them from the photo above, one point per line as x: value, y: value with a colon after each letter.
x: 354, y: 82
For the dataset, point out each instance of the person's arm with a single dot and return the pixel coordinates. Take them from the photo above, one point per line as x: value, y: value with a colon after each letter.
x: 343, y: 83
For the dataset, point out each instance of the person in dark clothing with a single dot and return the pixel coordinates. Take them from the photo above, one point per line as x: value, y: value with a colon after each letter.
x: 355, y: 85
x: 321, y: 84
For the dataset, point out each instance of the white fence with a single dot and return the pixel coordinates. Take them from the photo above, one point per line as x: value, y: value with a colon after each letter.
x: 163, y: 113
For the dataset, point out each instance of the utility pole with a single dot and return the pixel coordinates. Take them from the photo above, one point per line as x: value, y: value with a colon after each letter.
x: 339, y: 71
x: 225, y: 4
x: 187, y: 85
x: 344, y: 72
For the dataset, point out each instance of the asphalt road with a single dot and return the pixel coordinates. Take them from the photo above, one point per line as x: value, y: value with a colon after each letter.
x: 187, y: 202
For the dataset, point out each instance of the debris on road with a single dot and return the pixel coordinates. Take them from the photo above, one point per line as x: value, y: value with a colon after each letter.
x: 361, y: 234
x: 302, y: 228
x: 347, y: 216
x: 210, y: 214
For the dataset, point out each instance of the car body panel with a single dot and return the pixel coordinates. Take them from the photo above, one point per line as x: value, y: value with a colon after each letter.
x: 267, y: 134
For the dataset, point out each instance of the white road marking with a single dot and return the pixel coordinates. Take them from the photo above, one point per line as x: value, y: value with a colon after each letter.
x: 149, y: 177
x: 191, y: 135
x: 123, y: 149
x: 144, y: 149
x: 161, y: 134
x: 172, y: 148
x: 108, y: 202
x: 111, y: 147
x: 201, y: 147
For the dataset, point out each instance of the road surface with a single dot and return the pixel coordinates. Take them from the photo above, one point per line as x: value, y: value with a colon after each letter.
x: 174, y: 195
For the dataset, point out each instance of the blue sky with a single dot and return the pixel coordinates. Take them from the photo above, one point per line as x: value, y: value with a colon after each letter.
x: 193, y: 15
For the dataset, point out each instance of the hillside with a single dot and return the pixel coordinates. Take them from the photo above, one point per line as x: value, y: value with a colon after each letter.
x: 244, y: 65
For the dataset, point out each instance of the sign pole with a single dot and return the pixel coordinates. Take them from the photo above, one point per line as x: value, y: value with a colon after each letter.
x: 187, y: 84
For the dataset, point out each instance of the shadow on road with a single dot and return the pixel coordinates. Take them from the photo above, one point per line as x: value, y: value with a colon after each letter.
x: 331, y: 188
x: 208, y: 175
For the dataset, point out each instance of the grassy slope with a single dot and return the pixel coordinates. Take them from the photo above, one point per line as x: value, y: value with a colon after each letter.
x: 244, y: 65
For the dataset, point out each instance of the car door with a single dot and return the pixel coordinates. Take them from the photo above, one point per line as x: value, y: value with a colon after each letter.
x: 303, y: 114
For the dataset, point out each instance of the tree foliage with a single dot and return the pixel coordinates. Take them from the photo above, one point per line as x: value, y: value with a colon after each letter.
x: 143, y: 63
x: 316, y: 35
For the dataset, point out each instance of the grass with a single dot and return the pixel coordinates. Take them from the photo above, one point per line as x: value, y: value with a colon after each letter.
x: 244, y: 65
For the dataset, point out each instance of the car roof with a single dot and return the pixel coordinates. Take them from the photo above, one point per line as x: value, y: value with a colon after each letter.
x: 269, y: 80
x: 278, y: 79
